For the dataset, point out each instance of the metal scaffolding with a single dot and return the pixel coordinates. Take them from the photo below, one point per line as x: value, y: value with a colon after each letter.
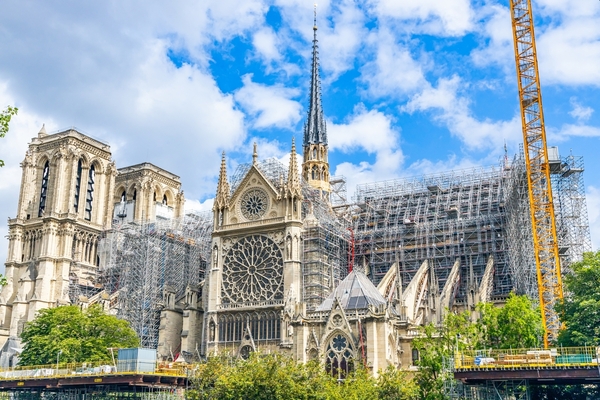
x: 570, y: 209
x: 143, y: 260
x: 325, y: 245
x: 440, y: 218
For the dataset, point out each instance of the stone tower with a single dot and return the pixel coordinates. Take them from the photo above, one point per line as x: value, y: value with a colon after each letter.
x: 315, y: 168
x: 65, y: 202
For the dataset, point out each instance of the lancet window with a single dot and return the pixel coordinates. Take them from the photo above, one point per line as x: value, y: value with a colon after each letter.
x: 44, y: 188
x: 264, y: 325
x: 78, y: 185
x: 90, y: 193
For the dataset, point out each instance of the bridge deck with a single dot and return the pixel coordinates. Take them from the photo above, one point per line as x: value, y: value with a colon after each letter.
x: 568, y: 365
x: 73, y: 376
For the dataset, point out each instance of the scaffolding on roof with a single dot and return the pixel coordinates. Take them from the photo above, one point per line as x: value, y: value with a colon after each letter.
x: 272, y: 169
x: 440, y: 218
x: 145, y: 259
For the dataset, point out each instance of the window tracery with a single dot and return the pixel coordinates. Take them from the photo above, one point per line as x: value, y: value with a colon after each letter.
x: 253, y: 271
x: 254, y: 204
x: 339, y: 355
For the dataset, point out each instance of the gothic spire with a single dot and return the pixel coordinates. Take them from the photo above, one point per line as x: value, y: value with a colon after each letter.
x: 293, y: 183
x: 223, y: 192
x: 315, y: 131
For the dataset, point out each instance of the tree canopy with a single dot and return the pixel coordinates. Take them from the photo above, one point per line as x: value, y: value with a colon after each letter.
x: 274, y: 376
x: 79, y: 336
x: 5, y: 117
x: 580, y: 311
x: 516, y: 325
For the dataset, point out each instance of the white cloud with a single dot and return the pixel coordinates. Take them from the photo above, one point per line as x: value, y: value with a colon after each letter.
x: 567, y: 131
x: 496, y: 29
x: 593, y: 205
x: 393, y: 71
x: 579, y: 112
x: 270, y: 105
x: 372, y: 132
x: 265, y: 42
x: 444, y: 18
x: 454, y: 112
x: 197, y: 205
x: 570, y: 52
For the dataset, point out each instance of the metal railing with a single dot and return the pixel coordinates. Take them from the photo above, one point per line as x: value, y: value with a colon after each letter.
x: 91, y: 369
x: 561, y: 357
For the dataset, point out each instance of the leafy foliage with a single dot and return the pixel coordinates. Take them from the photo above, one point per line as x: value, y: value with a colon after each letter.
x: 516, y: 325
x: 79, y: 336
x: 580, y: 311
x: 274, y: 376
x: 435, y: 345
x: 5, y: 117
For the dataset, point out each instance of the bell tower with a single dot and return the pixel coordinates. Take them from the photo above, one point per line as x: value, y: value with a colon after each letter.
x: 64, y: 204
x: 315, y: 168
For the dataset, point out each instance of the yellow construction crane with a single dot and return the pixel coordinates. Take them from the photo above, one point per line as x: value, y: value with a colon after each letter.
x: 543, y: 224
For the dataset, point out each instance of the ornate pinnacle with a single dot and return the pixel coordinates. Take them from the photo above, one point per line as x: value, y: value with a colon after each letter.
x: 315, y: 130
x: 293, y: 183
x: 223, y: 191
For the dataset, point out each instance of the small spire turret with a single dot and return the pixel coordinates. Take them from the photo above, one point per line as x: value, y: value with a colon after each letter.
x: 293, y: 188
x: 223, y: 191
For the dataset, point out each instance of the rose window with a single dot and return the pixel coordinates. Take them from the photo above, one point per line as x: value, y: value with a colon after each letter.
x: 254, y: 204
x: 253, y: 271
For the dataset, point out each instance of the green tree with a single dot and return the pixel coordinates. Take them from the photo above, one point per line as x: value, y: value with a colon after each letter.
x: 79, y: 336
x: 275, y: 376
x: 394, y: 384
x: 580, y: 310
x: 436, y: 345
x: 5, y: 117
x: 518, y: 324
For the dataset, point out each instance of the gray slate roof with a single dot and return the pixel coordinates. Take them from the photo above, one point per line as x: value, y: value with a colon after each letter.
x: 355, y: 292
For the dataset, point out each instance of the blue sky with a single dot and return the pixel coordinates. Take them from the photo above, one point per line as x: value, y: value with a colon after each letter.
x: 409, y: 86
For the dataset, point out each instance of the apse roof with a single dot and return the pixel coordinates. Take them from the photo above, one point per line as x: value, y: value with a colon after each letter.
x: 355, y: 292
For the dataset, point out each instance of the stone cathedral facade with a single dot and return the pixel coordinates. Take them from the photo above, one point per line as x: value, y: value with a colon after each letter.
x: 270, y: 283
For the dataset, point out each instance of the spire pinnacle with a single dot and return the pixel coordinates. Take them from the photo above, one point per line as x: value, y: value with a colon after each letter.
x: 315, y: 130
x: 223, y: 191
x: 255, y: 154
x: 293, y: 188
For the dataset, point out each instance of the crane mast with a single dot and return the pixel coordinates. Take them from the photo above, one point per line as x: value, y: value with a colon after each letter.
x: 538, y: 172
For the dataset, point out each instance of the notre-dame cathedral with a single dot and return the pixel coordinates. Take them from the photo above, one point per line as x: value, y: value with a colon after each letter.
x: 277, y: 265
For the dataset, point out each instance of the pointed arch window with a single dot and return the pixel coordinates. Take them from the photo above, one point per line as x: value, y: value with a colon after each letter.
x: 164, y: 201
x: 44, y: 189
x: 89, y: 199
x: 339, y: 359
x: 78, y: 185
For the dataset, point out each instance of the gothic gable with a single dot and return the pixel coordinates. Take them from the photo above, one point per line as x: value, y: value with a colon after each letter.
x: 256, y: 198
